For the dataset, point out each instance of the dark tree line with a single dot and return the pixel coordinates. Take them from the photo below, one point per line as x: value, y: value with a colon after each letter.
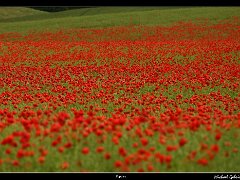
x: 56, y: 9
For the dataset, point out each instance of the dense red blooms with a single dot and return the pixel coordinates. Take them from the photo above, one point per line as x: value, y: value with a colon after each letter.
x: 141, y: 98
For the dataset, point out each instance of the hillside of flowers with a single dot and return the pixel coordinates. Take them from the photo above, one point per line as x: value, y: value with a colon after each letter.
x: 132, y: 99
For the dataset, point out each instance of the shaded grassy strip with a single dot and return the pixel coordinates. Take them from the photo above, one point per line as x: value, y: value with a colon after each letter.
x: 154, y: 17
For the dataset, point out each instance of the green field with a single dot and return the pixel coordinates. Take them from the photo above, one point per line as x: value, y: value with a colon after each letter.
x: 101, y: 17
x: 80, y: 12
x: 9, y: 13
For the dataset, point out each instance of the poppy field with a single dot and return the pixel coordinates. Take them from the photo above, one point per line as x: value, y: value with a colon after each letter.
x: 125, y: 98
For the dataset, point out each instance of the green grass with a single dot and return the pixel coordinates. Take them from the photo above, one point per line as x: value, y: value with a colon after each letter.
x: 84, y: 12
x: 7, y: 13
x: 151, y: 17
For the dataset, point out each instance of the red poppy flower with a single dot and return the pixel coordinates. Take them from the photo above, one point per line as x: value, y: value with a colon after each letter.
x: 182, y: 141
x: 100, y: 149
x: 41, y: 159
x: 85, y: 150
x: 107, y: 155
x: 203, y: 162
